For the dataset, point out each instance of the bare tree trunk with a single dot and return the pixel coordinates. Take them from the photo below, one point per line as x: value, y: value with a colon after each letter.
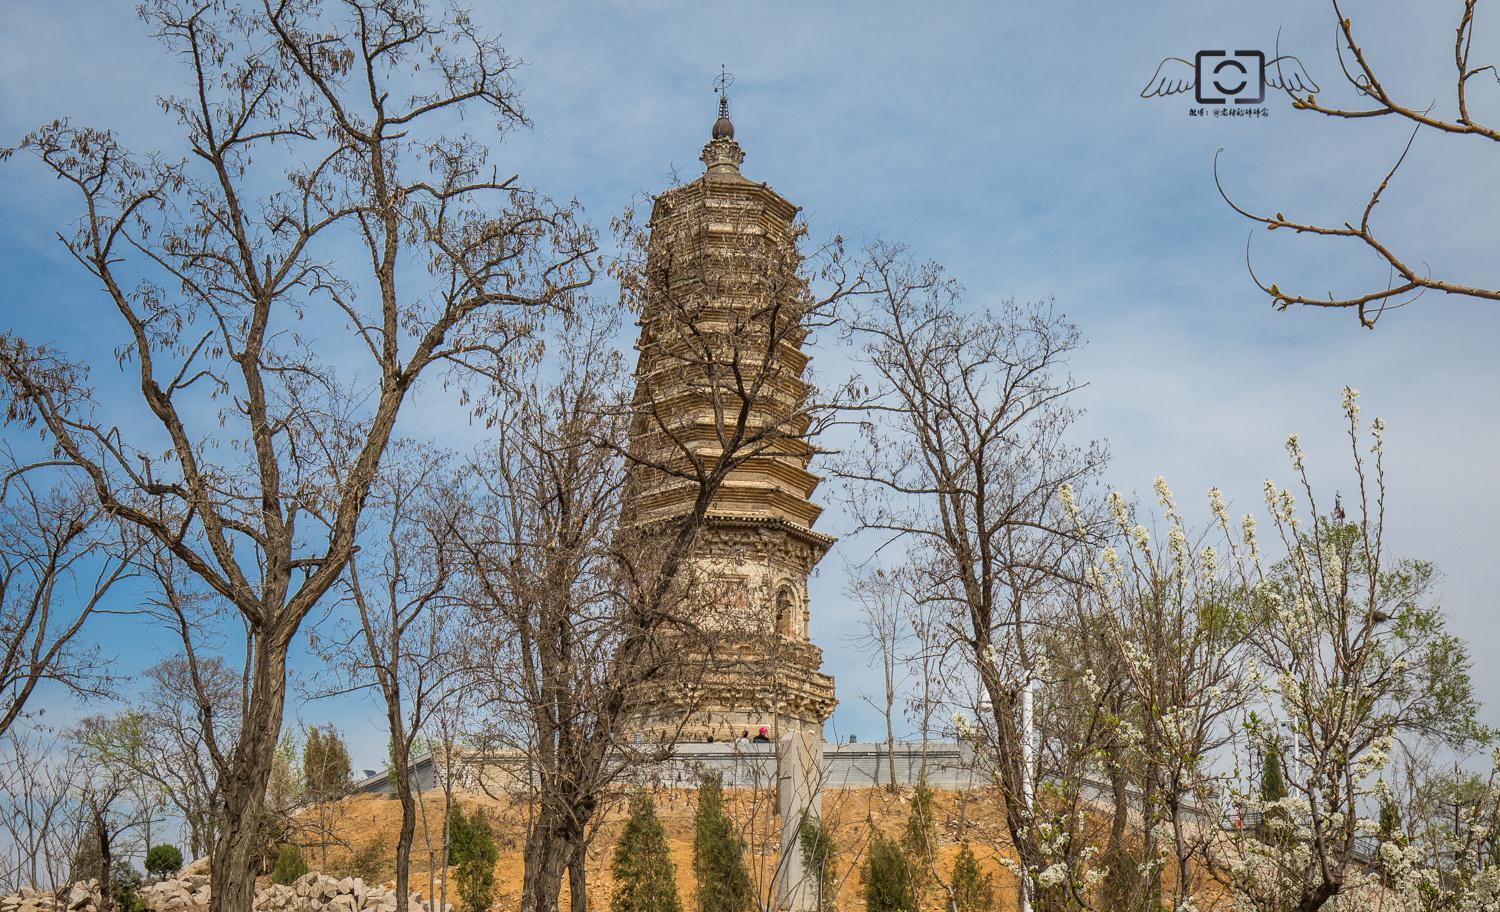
x: 548, y: 857
x: 407, y: 833
x: 447, y: 816
x: 578, y: 887
x: 1120, y: 867
x: 236, y: 851
x: 1151, y: 898
x: 431, y: 855
x: 890, y: 731
x: 101, y: 833
x: 324, y: 834
x: 926, y: 714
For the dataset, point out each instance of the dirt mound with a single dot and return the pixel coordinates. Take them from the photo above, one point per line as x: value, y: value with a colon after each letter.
x: 365, y: 827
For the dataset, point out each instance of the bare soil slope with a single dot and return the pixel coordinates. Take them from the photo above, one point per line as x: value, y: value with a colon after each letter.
x: 364, y: 834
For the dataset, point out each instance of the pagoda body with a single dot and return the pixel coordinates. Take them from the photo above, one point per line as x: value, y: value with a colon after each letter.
x: 721, y: 260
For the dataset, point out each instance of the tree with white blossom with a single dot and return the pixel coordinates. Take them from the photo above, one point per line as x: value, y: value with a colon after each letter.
x: 1176, y: 615
x: 1354, y: 657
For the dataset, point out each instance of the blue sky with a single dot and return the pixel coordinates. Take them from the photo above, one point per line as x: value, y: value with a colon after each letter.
x: 1007, y: 141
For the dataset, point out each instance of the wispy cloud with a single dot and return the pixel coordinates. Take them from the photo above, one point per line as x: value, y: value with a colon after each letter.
x: 1008, y: 141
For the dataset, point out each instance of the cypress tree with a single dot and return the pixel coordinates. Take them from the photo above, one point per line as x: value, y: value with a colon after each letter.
x: 887, y: 877
x: 818, y: 852
x: 718, y: 854
x: 919, y: 843
x: 460, y: 837
x: 1272, y: 783
x: 326, y: 772
x: 972, y: 890
x: 645, y: 878
x: 1272, y: 790
x: 1390, y: 820
x: 289, y: 866
x: 476, y: 870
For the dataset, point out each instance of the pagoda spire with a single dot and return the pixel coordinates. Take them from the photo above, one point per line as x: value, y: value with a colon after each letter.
x: 722, y: 155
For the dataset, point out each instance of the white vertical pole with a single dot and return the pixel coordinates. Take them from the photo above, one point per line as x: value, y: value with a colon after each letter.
x: 1028, y: 764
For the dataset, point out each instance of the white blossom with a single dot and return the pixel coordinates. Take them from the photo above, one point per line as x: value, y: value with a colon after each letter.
x: 1069, y: 502
x: 1119, y: 510
x: 1164, y: 494
x: 1177, y: 544
x: 1351, y: 404
x: 1216, y: 504
x: 1054, y: 875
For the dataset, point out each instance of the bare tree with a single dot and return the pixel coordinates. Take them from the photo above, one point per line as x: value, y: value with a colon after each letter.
x: 964, y: 449
x: 399, y: 584
x: 1378, y: 98
x: 39, y: 812
x: 108, y: 815
x: 443, y: 727
x: 120, y: 745
x: 883, y: 617
x: 58, y: 561
x: 307, y: 126
x: 535, y: 547
x: 930, y: 642
x: 179, y: 756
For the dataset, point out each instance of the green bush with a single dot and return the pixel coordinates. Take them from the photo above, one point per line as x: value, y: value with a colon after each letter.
x: 1274, y: 821
x: 125, y: 884
x: 289, y: 865
x: 887, y: 878
x: 972, y: 891
x: 718, y: 855
x: 460, y: 835
x: 371, y: 863
x: 1272, y: 784
x: 163, y: 860
x: 645, y: 878
x: 818, y: 853
x: 898, y: 875
x: 919, y: 843
x: 475, y: 854
x: 85, y: 863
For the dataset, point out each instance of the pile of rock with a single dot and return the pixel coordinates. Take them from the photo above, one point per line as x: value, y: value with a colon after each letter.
x: 185, y: 891
x: 189, y: 891
x: 316, y: 892
x: 80, y: 897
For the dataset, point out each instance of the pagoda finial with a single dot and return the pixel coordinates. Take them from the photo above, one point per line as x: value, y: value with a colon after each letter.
x: 722, y: 82
x: 723, y: 127
x: 722, y: 154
